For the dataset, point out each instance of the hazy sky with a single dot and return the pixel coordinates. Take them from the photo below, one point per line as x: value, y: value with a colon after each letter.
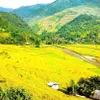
x: 18, y: 3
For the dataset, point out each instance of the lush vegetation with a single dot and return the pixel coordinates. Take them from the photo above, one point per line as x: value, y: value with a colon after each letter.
x: 54, y: 22
x: 32, y: 68
x: 88, y: 86
x: 12, y: 23
x: 27, y: 12
x: 83, y: 29
x: 85, y: 86
x: 36, y: 12
x: 14, y: 94
x: 13, y: 30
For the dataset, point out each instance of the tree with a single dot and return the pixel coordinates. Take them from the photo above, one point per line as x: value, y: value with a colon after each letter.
x: 72, y: 89
x: 88, y: 85
x: 37, y: 42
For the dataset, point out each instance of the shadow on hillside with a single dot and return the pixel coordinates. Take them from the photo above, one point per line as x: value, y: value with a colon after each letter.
x: 63, y: 90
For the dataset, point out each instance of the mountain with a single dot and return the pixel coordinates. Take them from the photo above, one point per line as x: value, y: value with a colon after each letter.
x: 83, y: 29
x: 55, y: 22
x: 26, y: 12
x: 6, y: 9
x: 13, y: 30
x: 12, y: 23
x: 52, y: 8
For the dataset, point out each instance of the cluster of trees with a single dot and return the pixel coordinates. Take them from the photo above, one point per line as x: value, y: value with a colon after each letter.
x: 21, y: 39
x: 83, y: 29
x: 85, y: 86
x: 14, y: 94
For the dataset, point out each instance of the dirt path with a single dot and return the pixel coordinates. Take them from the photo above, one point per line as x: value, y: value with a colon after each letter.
x: 88, y: 59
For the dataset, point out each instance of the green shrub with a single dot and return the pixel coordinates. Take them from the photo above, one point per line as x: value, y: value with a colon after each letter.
x: 88, y: 85
x: 85, y: 86
x: 14, y: 94
x: 72, y: 89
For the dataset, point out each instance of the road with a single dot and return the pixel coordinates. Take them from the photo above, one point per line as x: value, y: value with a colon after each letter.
x: 80, y: 56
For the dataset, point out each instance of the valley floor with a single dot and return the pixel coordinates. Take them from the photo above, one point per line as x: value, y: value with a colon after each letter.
x: 32, y: 68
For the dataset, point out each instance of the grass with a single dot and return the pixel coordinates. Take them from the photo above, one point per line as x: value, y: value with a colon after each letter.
x: 32, y: 68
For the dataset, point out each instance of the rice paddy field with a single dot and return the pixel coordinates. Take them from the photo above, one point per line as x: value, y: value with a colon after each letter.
x: 32, y: 68
x: 88, y: 50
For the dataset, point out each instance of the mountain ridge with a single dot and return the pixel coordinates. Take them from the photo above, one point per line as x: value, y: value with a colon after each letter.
x: 2, y: 9
x: 56, y: 21
x: 55, y: 7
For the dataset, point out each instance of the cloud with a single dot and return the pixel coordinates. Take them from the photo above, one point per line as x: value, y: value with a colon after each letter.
x: 18, y: 3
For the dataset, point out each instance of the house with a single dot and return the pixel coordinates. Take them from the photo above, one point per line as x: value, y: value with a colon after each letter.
x: 96, y: 95
x: 53, y: 85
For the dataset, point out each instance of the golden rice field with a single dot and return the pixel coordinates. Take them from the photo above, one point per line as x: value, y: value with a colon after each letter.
x: 32, y: 68
x: 90, y: 50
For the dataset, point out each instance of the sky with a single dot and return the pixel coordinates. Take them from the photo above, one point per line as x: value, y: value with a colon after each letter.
x: 18, y: 3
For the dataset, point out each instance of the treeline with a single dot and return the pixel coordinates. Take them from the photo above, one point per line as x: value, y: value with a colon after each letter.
x: 21, y: 39
x: 83, y: 29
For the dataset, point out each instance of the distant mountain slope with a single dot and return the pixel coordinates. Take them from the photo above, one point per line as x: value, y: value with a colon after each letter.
x: 55, y: 22
x: 52, y: 8
x: 12, y: 23
x: 6, y: 9
x: 83, y: 29
x: 26, y: 12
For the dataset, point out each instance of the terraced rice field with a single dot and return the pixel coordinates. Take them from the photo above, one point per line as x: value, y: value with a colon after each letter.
x: 32, y: 68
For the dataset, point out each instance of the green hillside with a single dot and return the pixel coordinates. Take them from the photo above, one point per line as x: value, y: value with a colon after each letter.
x: 26, y: 12
x: 13, y: 29
x: 83, y: 29
x: 56, y: 21
x: 12, y: 23
x: 37, y: 12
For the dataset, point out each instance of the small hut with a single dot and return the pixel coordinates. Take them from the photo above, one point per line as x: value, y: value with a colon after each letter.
x: 53, y: 85
x: 96, y: 95
x: 27, y: 43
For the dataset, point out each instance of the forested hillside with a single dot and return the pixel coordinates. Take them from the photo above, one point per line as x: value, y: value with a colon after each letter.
x: 27, y: 12
x: 55, y: 22
x: 83, y: 29
x: 13, y: 29
x: 12, y: 23
x: 37, y: 12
